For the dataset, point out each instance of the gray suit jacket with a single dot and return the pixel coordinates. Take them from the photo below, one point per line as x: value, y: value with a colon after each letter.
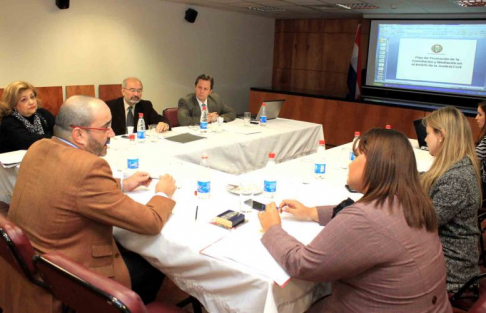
x: 189, y: 112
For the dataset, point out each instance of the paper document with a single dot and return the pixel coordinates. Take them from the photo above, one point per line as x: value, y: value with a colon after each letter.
x: 11, y: 159
x: 245, y: 247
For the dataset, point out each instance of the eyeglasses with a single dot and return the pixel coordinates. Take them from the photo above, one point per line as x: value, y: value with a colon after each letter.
x: 133, y: 90
x: 92, y: 128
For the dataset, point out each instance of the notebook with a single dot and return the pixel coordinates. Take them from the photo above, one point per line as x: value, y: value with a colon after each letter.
x: 273, y: 109
x: 421, y: 134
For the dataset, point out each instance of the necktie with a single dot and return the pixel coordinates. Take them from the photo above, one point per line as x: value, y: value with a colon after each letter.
x: 130, y: 121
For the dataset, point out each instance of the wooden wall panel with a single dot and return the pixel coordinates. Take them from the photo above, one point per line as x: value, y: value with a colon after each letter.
x: 1, y: 93
x: 340, y: 119
x: 309, y: 80
x: 83, y: 90
x: 334, y: 84
x: 307, y: 53
x: 337, y: 60
x: 51, y: 98
x: 282, y: 53
x: 281, y: 78
x: 318, y: 45
x: 110, y: 92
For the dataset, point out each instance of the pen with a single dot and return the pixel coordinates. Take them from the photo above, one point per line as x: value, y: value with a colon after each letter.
x: 197, y: 207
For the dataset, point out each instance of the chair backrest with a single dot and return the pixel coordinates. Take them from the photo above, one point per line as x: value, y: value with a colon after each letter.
x: 171, y: 115
x: 16, y: 249
x: 109, y: 92
x: 84, y: 290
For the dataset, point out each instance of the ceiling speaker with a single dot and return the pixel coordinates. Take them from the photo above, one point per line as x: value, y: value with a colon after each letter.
x: 62, y: 4
x: 191, y: 15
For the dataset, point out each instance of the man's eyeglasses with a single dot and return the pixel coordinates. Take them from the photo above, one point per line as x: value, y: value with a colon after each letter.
x: 92, y: 128
x: 133, y: 90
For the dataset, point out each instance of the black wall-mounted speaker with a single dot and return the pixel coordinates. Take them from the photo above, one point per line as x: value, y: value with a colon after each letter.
x: 62, y: 4
x: 191, y: 15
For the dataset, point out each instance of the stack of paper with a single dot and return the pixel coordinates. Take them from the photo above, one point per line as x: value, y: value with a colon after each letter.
x: 245, y: 247
x: 12, y: 159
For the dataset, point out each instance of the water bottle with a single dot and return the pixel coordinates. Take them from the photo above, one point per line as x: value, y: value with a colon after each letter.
x: 263, y: 115
x: 351, y: 153
x: 132, y: 156
x: 270, y: 180
x: 320, y: 163
x: 204, y: 120
x: 204, y: 178
x: 140, y: 128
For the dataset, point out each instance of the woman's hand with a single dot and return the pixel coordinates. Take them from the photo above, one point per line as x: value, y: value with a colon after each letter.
x: 269, y: 217
x: 299, y: 210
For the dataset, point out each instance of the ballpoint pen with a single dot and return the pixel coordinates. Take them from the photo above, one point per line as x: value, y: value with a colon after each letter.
x: 197, y: 207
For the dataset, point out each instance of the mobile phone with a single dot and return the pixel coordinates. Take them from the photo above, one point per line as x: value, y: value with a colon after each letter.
x: 256, y: 205
x: 350, y: 189
x: 125, y: 136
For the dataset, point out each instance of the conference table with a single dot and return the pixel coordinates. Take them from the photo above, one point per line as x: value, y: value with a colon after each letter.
x: 230, y: 270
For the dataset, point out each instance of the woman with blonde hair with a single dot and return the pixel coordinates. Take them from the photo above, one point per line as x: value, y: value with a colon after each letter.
x: 453, y: 183
x: 22, y: 121
x: 382, y: 253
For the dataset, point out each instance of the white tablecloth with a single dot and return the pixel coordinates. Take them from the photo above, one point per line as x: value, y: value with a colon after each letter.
x: 230, y: 151
x: 228, y: 286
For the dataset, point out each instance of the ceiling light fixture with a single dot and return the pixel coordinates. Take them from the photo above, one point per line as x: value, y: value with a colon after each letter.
x: 266, y: 9
x: 470, y: 3
x: 357, y: 6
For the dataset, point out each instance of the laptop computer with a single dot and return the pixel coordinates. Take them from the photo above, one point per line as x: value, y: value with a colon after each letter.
x: 421, y: 132
x: 273, y: 109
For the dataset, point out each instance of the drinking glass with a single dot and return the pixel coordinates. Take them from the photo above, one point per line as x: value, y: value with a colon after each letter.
x: 246, y: 190
x: 345, y: 156
x: 247, y: 118
x: 307, y: 170
x: 152, y: 131
x: 130, y: 129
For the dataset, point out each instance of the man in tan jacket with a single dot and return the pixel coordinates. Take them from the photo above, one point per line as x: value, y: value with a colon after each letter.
x: 66, y: 200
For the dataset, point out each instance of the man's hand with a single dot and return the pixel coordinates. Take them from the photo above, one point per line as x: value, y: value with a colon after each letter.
x: 166, y: 185
x: 137, y: 179
x: 162, y: 127
x: 212, y: 117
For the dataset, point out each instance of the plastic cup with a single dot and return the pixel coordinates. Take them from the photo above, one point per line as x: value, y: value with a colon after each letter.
x: 247, y: 118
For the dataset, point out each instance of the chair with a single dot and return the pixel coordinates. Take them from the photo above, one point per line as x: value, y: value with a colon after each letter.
x: 468, y: 294
x: 481, y: 219
x: 171, y: 115
x: 86, y: 291
x: 16, y: 249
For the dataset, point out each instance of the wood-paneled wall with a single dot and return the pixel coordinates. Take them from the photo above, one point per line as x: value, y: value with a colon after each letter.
x: 341, y: 118
x: 315, y: 54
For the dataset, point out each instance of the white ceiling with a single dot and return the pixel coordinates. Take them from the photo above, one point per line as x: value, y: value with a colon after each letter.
x: 310, y: 9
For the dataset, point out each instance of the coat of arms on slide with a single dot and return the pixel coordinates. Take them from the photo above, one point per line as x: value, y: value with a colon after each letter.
x: 436, y: 48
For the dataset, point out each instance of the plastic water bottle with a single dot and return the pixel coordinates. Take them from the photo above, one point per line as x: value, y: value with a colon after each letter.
x: 132, y: 156
x: 263, y: 115
x: 351, y: 153
x: 141, y: 128
x: 320, y: 163
x: 204, y: 178
x: 270, y: 180
x: 204, y: 120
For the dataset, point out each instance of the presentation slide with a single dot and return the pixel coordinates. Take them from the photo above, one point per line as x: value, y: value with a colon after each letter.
x: 446, y: 56
x: 445, y: 61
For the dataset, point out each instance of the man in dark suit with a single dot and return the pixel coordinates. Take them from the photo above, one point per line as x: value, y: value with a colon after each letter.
x: 189, y: 107
x: 125, y: 110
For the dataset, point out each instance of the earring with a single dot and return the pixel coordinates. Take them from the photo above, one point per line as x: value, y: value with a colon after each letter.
x: 440, y: 141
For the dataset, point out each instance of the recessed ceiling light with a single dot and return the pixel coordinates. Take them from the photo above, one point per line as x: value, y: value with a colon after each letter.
x: 357, y: 6
x: 470, y: 3
x: 266, y: 9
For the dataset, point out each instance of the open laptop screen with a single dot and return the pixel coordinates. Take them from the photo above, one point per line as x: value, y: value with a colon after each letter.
x: 421, y: 133
x: 273, y: 109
